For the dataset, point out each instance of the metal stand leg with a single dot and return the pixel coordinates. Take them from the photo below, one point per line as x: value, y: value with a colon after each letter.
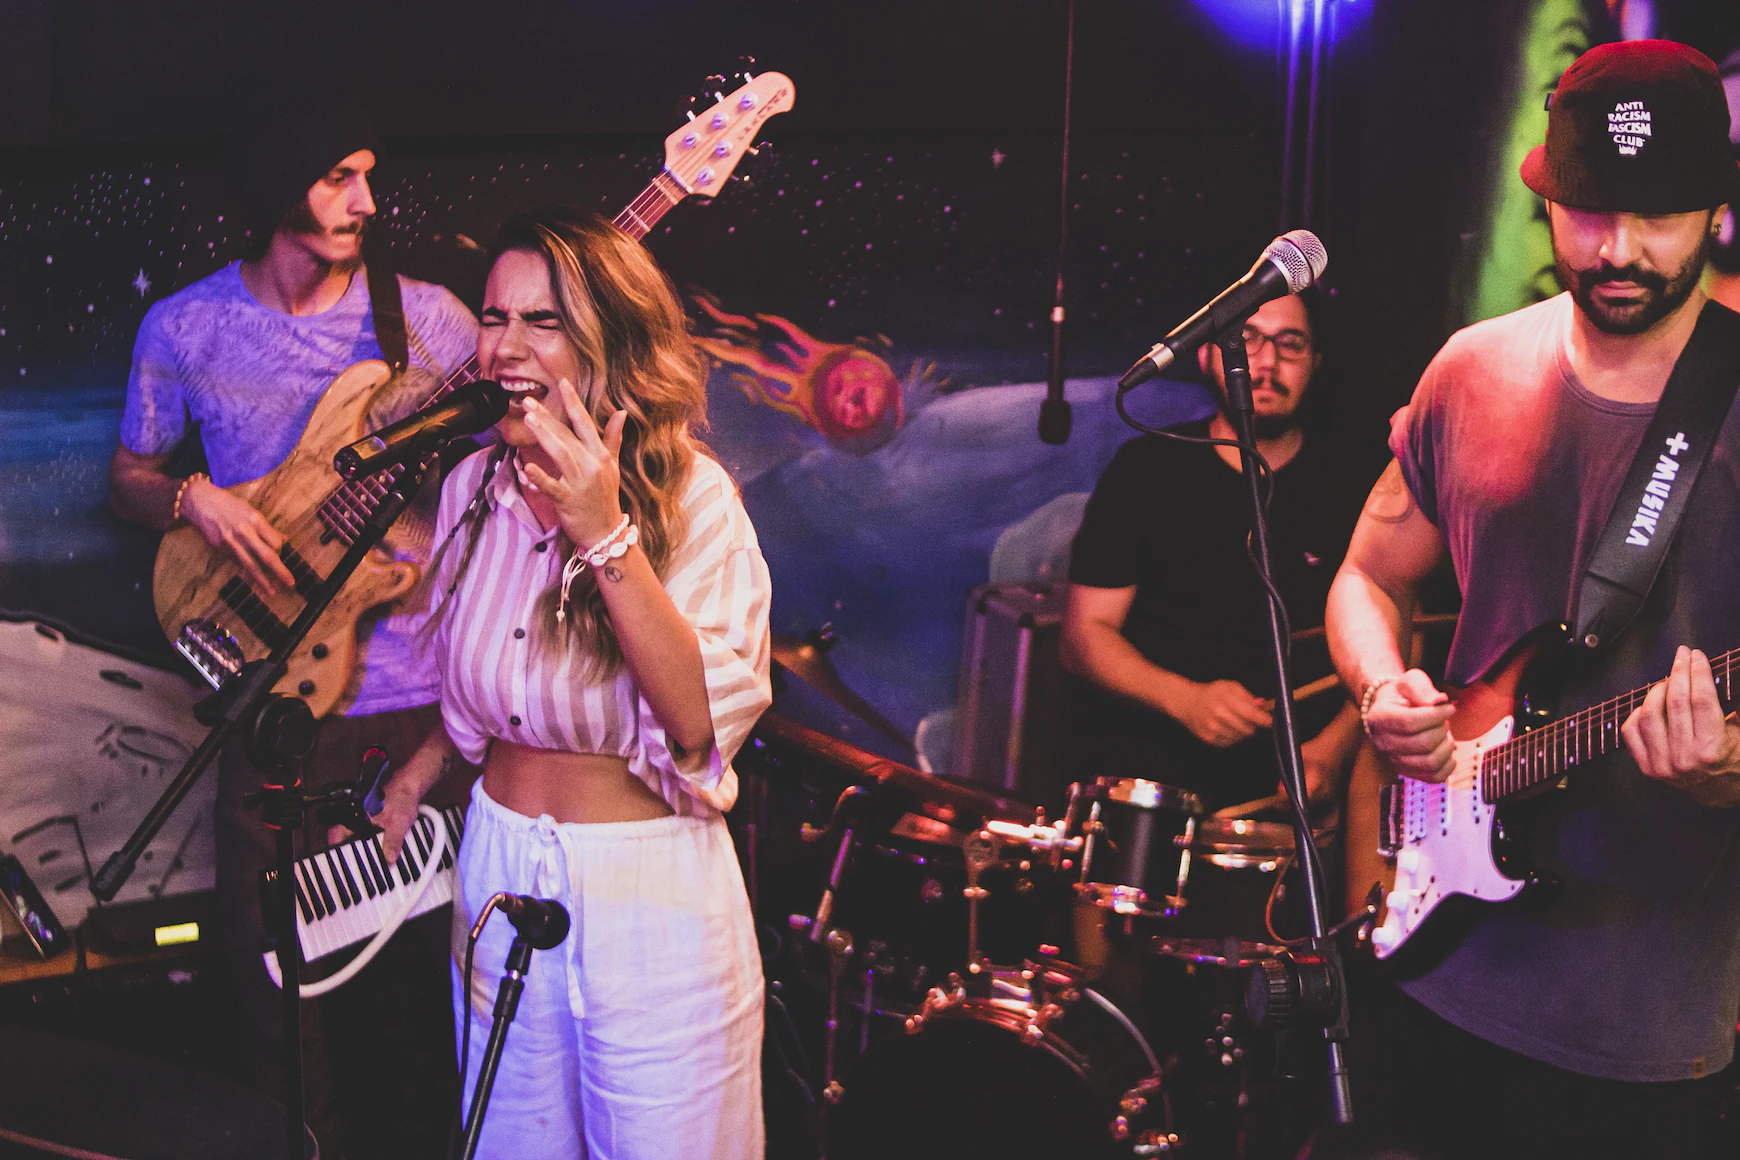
x: 507, y: 1002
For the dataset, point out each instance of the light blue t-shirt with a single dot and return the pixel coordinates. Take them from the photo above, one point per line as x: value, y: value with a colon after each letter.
x: 212, y: 359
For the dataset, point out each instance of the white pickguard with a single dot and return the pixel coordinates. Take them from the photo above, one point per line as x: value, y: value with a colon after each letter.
x: 1446, y: 846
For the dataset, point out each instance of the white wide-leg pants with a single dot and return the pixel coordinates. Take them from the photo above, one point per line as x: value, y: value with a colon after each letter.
x: 640, y: 1036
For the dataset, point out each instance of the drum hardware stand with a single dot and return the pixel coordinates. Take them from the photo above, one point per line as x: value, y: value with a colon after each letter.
x: 839, y: 951
x: 279, y: 733
x: 979, y: 850
x: 1321, y: 979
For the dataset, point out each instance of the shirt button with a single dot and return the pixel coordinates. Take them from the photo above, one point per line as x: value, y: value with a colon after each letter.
x: 519, y: 634
x: 541, y: 546
x: 513, y: 720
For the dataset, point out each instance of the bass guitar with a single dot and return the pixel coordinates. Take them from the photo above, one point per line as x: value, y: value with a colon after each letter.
x: 1449, y: 839
x: 205, y: 604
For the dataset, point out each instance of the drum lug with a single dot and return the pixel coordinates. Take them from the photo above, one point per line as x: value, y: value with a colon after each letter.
x: 936, y: 1002
x: 1034, y: 1033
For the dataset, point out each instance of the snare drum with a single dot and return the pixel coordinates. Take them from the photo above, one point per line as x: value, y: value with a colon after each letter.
x: 1136, y: 835
x: 1236, y: 864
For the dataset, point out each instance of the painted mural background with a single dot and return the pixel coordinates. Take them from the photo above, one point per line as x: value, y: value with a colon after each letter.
x: 875, y: 299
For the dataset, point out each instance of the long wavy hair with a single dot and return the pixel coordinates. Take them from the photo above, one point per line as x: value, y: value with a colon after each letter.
x: 623, y: 317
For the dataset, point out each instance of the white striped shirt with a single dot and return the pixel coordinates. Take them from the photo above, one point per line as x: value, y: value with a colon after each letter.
x: 500, y: 679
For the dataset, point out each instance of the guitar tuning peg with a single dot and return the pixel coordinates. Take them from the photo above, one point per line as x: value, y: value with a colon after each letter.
x: 753, y: 151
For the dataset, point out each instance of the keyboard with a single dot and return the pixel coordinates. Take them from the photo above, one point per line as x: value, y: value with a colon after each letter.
x: 344, y: 895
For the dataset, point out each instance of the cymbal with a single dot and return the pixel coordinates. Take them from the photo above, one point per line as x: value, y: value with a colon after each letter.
x: 946, y: 799
x: 807, y: 659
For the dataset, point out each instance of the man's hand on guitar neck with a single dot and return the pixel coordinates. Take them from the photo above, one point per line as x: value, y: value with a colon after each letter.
x: 1409, y: 723
x: 1680, y: 736
x: 235, y: 526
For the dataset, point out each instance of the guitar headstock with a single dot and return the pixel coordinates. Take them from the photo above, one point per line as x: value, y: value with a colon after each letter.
x: 702, y: 154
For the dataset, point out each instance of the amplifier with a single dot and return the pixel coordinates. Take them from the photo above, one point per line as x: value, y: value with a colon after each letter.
x: 1009, y: 716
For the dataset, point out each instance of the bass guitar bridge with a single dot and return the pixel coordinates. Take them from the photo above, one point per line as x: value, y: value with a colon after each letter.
x: 211, y: 650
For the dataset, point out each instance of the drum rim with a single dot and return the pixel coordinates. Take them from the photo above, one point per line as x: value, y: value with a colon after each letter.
x: 1145, y: 793
x: 1012, y: 1015
x: 1207, y: 841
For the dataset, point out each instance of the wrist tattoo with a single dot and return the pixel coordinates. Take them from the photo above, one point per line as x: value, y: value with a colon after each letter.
x: 612, y: 573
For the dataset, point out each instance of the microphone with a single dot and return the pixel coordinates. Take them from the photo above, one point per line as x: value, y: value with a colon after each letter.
x: 542, y: 922
x: 1289, y: 264
x: 475, y: 407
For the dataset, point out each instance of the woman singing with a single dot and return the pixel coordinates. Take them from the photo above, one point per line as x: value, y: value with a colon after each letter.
x: 600, y: 612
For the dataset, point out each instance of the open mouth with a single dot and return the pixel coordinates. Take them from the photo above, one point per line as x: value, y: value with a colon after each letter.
x: 523, y: 389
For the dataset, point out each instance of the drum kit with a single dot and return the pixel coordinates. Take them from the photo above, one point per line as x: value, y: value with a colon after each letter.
x: 984, y: 981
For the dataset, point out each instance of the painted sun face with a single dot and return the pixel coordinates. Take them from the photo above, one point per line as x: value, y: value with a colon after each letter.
x: 856, y: 392
x: 844, y: 391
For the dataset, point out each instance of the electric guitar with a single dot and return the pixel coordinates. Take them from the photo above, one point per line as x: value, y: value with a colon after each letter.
x: 1442, y: 840
x: 204, y: 602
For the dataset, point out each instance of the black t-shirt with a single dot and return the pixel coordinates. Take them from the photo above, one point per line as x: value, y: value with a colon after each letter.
x: 1171, y: 519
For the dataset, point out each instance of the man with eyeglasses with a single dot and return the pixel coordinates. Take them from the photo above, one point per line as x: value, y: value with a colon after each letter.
x: 1165, y: 621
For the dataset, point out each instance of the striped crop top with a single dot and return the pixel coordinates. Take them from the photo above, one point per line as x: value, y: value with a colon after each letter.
x: 500, y: 679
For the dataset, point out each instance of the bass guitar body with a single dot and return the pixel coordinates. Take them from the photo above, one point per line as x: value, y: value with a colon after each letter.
x: 1446, y: 840
x: 216, y: 618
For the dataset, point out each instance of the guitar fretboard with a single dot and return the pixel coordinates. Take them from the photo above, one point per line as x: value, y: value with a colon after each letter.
x: 1548, y: 753
x: 344, y: 512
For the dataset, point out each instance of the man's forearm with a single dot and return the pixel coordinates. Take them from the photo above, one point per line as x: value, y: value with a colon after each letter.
x: 142, y: 496
x: 1367, y: 626
x: 1102, y: 655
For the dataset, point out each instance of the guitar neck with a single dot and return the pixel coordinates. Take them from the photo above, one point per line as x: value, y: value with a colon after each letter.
x: 654, y: 202
x: 1548, y: 753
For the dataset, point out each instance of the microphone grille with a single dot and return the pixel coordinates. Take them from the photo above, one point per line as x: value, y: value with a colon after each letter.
x: 1301, y: 256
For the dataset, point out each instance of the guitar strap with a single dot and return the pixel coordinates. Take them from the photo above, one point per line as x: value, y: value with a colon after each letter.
x: 388, y: 306
x: 1641, y: 527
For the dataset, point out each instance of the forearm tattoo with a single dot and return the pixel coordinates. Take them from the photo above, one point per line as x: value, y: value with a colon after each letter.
x: 1390, y: 502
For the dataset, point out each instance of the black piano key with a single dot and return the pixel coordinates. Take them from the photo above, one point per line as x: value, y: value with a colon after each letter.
x: 330, y: 864
x: 403, y: 865
x: 349, y: 878
x: 352, y: 854
x: 370, y: 852
x: 414, y: 854
x: 420, y: 834
x: 320, y: 884
x: 302, y: 901
x: 305, y: 874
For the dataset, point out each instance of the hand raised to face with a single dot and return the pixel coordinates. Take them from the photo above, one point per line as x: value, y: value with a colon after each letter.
x: 586, y: 489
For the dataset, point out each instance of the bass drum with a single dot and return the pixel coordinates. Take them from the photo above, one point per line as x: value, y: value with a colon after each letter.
x: 1047, y: 1069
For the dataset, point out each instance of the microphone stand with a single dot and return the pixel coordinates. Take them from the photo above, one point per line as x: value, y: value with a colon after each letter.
x: 1323, y: 967
x: 279, y: 734
x: 507, y: 1004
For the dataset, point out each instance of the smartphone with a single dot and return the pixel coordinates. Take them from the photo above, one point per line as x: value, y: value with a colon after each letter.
x: 40, y: 925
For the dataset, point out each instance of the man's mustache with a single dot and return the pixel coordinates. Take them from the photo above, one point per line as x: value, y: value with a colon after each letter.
x: 1587, y: 280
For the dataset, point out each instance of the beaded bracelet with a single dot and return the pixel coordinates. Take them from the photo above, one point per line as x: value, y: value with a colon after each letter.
x: 611, y: 547
x: 1369, y: 695
x: 175, y: 515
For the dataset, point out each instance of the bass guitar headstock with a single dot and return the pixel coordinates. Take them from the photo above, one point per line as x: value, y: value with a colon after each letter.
x: 702, y: 155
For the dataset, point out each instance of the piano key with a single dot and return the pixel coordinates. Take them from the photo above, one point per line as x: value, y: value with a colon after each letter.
x: 349, y: 878
x: 320, y: 884
x: 330, y: 865
x: 351, y: 852
x: 313, y: 895
x: 368, y: 849
x: 302, y: 900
